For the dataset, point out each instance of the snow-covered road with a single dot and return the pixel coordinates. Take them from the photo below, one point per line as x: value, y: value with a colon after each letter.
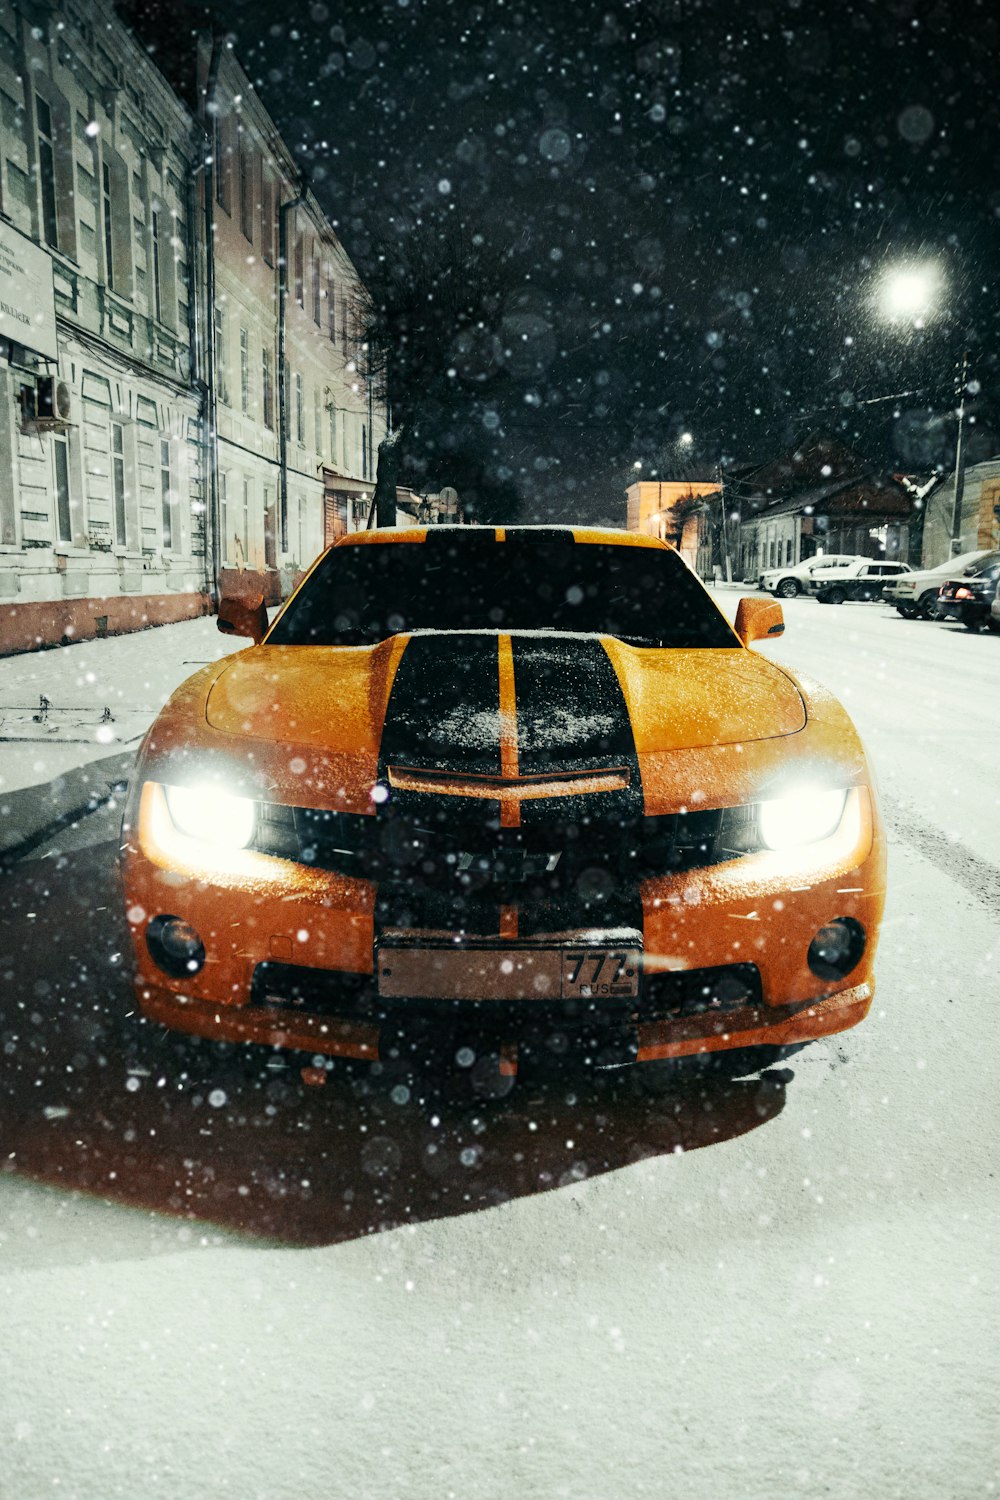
x: 783, y: 1287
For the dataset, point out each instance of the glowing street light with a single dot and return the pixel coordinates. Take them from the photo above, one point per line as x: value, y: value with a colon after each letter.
x: 910, y: 293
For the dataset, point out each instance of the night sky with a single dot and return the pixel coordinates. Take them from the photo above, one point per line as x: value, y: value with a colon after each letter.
x: 702, y: 198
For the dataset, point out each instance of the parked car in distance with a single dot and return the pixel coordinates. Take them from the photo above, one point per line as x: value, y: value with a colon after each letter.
x: 790, y: 581
x: 969, y: 599
x: 863, y: 580
x: 915, y: 594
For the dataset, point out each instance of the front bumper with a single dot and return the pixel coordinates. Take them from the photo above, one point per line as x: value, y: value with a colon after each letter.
x: 756, y: 912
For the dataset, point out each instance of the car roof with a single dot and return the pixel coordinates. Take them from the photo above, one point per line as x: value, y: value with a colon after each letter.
x: 609, y: 535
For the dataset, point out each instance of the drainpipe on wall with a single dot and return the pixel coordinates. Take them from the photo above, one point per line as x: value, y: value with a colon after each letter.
x: 214, y: 536
x: 283, y: 212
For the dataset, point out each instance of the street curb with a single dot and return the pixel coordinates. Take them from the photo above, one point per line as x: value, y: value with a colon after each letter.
x: 33, y: 813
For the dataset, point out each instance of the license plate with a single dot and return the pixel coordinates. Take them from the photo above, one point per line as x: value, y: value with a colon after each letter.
x: 508, y: 973
x: 600, y: 973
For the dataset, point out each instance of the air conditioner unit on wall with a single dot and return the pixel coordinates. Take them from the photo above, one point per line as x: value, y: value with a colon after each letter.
x: 53, y: 404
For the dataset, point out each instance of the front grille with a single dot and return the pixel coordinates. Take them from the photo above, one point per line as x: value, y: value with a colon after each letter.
x: 693, y: 992
x: 664, y: 997
x: 471, y: 857
x: 317, y: 992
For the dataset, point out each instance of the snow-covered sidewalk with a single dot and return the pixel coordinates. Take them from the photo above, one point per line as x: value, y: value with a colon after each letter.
x: 71, y: 718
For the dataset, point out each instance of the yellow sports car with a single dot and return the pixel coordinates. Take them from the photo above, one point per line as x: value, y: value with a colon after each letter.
x: 515, y: 791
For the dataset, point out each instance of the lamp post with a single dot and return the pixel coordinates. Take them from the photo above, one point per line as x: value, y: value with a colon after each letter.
x: 910, y: 293
x: 956, y: 512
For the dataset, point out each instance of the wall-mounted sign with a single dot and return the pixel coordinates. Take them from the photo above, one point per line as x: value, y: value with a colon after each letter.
x: 27, y: 303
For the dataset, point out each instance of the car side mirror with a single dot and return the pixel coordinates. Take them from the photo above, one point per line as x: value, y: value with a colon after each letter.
x: 243, y: 616
x: 756, y: 619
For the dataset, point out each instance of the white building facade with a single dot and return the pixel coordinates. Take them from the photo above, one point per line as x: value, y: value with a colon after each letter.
x: 102, y: 472
x: 296, y: 427
x: 183, y: 404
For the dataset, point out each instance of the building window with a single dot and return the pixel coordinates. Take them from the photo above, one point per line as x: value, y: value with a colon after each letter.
x: 331, y: 312
x: 317, y: 299
x: 300, y: 410
x: 166, y: 497
x: 244, y: 371
x: 317, y: 423
x: 300, y: 292
x: 333, y: 435
x: 245, y: 538
x: 221, y: 361
x: 47, y: 172
x: 223, y: 518
x: 267, y: 218
x: 267, y: 386
x: 157, y: 293
x: 109, y: 237
x: 788, y: 552
x: 60, y: 464
x: 246, y: 193
x: 364, y: 451
x: 221, y: 165
x: 118, y: 482
x: 288, y: 399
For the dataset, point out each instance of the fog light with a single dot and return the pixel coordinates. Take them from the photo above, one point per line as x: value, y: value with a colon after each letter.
x: 174, y: 946
x: 837, y: 948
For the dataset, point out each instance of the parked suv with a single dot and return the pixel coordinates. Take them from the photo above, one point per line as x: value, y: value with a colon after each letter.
x: 916, y: 594
x: 787, y: 582
x: 968, y: 599
x: 864, y: 579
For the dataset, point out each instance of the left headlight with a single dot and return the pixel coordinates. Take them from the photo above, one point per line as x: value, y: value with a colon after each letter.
x: 215, y: 817
x: 802, y: 816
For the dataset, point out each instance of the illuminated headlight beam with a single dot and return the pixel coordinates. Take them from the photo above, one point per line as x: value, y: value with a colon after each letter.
x: 803, y: 815
x: 213, y: 816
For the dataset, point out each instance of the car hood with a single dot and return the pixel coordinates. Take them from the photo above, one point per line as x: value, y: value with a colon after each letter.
x: 942, y: 575
x: 451, y: 700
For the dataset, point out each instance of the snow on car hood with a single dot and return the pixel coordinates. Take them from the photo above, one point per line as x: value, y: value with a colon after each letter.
x: 438, y: 698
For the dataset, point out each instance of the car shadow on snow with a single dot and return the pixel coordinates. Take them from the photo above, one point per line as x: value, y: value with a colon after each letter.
x: 95, y: 1100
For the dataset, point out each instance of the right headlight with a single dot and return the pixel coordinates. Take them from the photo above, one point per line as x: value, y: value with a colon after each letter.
x: 801, y: 816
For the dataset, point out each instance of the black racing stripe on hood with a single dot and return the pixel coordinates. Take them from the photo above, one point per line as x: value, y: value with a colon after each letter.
x: 444, y: 707
x: 459, y: 543
x: 572, y: 716
x: 538, y: 536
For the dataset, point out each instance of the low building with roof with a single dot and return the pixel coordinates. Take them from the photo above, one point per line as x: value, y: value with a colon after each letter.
x: 819, y: 497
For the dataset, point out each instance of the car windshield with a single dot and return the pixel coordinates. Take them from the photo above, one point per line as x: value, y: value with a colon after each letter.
x: 362, y: 594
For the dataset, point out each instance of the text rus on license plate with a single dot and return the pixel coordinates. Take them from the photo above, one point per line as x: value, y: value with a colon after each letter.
x: 595, y: 973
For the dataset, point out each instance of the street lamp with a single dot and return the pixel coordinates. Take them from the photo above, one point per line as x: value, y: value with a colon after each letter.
x: 911, y: 293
